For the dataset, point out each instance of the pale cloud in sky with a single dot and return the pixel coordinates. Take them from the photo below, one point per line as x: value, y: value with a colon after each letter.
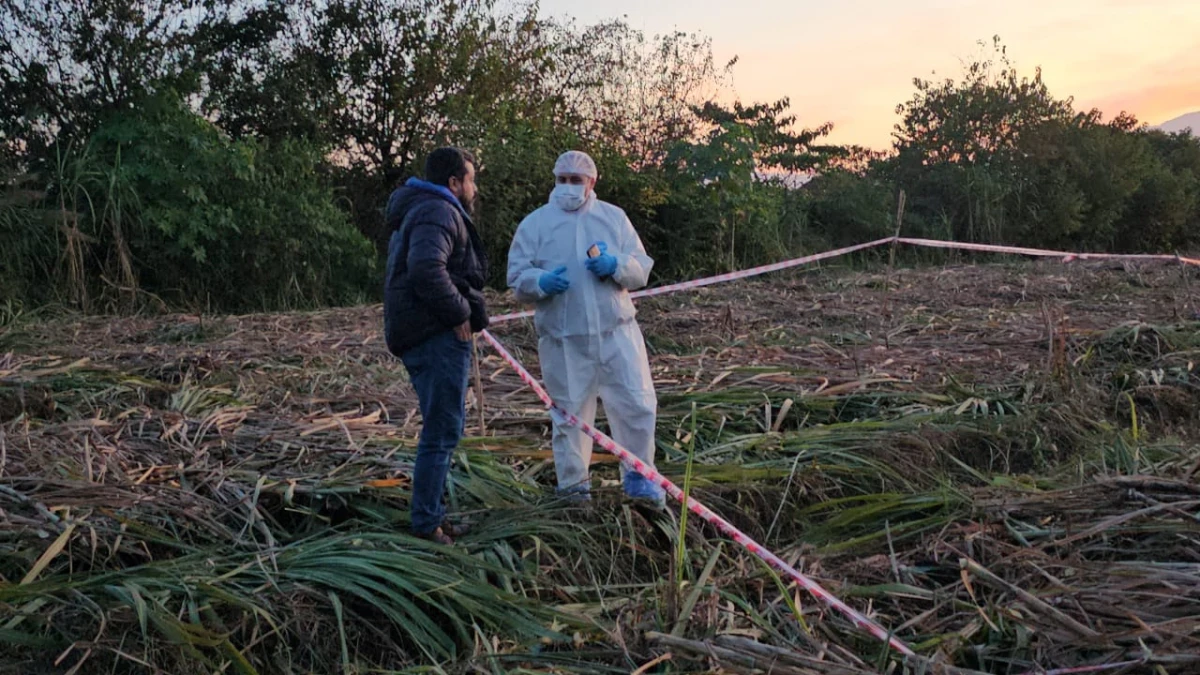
x: 852, y: 61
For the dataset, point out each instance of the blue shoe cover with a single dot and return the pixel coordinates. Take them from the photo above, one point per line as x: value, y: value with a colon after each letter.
x: 576, y: 493
x: 638, y: 487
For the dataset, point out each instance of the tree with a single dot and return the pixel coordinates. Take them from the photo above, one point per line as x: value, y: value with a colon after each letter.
x: 1081, y: 174
x: 1165, y: 211
x: 960, y: 145
x: 264, y: 80
x: 980, y: 119
x: 66, y: 64
x: 728, y: 183
x: 393, y: 64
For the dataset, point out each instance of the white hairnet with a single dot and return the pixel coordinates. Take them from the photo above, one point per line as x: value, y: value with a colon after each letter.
x: 576, y: 162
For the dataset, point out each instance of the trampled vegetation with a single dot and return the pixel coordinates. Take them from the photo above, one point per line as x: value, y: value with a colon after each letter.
x: 997, y: 462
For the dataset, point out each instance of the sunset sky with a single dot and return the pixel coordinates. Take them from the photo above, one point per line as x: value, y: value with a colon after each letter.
x: 851, y: 61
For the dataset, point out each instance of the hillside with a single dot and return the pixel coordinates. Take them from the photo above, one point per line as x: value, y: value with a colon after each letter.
x: 1188, y: 121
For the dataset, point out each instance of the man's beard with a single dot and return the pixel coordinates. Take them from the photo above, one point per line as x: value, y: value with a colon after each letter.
x: 470, y: 206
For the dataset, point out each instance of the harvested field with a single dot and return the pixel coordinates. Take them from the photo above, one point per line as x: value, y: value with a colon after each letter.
x: 998, y: 462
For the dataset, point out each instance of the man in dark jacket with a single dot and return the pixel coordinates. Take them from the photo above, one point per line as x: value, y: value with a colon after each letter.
x: 433, y: 302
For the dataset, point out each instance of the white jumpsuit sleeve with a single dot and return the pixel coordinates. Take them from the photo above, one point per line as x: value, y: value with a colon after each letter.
x: 633, y: 268
x: 523, y: 276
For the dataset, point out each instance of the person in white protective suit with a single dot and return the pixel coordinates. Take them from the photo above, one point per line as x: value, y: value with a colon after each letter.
x: 576, y: 259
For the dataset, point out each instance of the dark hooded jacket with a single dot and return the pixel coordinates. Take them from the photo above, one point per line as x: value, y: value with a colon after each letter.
x: 436, y: 267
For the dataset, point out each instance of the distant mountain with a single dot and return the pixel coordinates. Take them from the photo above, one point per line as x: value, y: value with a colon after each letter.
x: 1188, y: 121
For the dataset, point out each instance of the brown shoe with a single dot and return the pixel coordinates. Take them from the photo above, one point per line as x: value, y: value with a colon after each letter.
x: 437, y: 537
x: 455, y: 529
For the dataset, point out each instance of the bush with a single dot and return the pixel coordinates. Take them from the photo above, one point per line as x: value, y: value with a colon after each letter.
x: 175, y: 208
x: 844, y: 209
x: 28, y: 240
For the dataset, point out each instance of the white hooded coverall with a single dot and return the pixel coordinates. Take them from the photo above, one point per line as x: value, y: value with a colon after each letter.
x: 589, y: 340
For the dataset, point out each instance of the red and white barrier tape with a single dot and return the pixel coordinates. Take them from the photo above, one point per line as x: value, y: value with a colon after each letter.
x: 763, y: 269
x: 1067, y: 256
x: 731, y: 276
x: 859, y: 620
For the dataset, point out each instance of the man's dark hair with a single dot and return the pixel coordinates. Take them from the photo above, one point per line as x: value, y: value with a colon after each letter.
x: 446, y: 162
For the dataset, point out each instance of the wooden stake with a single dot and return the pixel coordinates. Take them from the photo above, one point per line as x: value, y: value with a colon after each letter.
x: 899, y: 223
x: 479, y: 392
x: 887, y: 337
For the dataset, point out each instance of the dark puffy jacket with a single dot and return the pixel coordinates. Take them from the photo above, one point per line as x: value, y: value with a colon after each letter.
x: 436, y: 267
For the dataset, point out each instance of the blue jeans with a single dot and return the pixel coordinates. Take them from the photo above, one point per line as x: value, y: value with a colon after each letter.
x: 438, y: 369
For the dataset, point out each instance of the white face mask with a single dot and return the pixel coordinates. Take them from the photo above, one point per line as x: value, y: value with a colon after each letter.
x: 568, y: 197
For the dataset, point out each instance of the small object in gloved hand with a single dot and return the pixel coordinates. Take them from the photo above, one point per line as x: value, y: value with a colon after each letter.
x: 602, y: 265
x: 593, y: 252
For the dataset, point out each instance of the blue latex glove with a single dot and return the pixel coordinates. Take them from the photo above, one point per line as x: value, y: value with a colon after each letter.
x: 603, y: 265
x: 553, y: 283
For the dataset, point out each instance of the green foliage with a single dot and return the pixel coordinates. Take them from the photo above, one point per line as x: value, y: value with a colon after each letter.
x: 226, y: 224
x: 727, y: 193
x: 27, y: 237
x: 995, y: 157
x: 65, y: 65
x: 985, y: 117
x: 237, y: 155
x: 847, y: 209
x: 162, y: 202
